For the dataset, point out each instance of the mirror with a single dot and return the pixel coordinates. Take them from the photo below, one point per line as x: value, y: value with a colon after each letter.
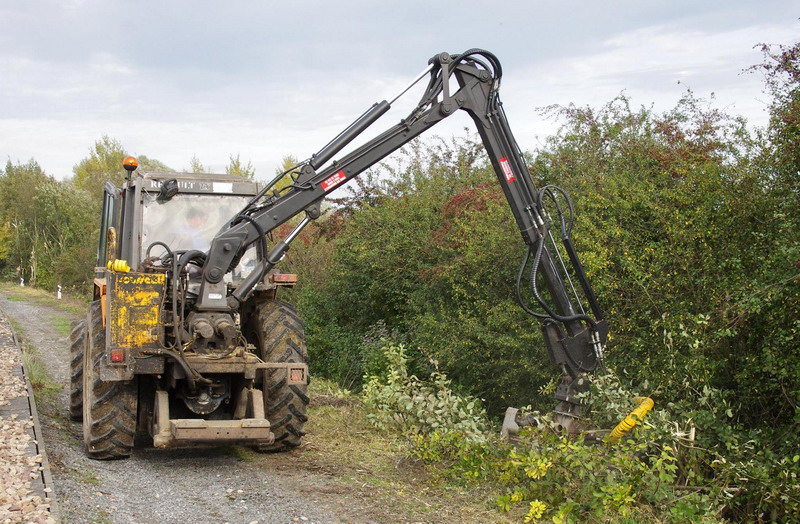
x: 169, y: 188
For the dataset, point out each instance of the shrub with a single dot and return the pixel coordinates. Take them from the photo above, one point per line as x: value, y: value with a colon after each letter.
x: 405, y: 403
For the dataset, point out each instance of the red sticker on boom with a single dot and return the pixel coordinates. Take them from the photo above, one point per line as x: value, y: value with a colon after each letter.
x: 333, y: 181
x: 506, y: 167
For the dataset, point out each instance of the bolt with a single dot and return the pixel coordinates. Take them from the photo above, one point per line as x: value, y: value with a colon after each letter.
x: 226, y: 247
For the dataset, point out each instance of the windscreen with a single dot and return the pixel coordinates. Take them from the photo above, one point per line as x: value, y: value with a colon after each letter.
x: 190, y: 222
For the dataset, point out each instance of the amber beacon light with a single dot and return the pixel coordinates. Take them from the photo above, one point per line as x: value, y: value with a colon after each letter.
x: 130, y: 163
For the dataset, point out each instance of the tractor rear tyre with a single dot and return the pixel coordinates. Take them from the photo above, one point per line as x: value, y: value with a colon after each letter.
x: 77, y: 348
x: 281, y: 338
x: 109, y: 407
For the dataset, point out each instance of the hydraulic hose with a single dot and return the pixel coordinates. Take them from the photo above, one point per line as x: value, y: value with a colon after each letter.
x: 269, y: 186
x: 158, y: 243
x: 178, y: 263
x: 566, y: 227
x: 561, y: 318
x: 188, y: 256
x: 645, y: 405
x: 517, y: 287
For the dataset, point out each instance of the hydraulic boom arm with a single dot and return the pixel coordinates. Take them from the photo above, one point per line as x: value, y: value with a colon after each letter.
x: 574, y: 337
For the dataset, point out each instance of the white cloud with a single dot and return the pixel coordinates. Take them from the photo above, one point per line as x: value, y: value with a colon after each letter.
x: 654, y: 64
x: 217, y: 80
x: 108, y: 65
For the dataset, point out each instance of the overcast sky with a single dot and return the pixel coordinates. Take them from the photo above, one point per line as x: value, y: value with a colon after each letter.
x: 265, y: 79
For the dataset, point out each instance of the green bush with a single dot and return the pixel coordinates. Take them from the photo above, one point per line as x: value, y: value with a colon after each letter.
x: 547, y: 475
x: 407, y: 404
x: 688, y: 226
x: 433, y: 258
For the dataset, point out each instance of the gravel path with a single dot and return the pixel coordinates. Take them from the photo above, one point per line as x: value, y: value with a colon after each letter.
x: 194, y: 485
x: 20, y: 461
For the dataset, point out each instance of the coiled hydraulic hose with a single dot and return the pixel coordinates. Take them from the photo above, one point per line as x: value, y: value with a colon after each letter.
x: 645, y: 404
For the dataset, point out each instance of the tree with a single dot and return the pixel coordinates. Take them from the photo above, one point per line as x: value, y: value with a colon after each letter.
x: 287, y: 163
x: 236, y: 167
x: 18, y: 218
x: 429, y: 255
x: 781, y: 70
x: 66, y: 226
x: 5, y: 242
x: 151, y: 164
x: 104, y: 163
x: 195, y: 166
x: 47, y: 228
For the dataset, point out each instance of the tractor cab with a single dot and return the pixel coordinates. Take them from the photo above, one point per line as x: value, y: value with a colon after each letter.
x: 161, y: 212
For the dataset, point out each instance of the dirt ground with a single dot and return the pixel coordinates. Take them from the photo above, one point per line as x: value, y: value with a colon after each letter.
x: 214, y: 484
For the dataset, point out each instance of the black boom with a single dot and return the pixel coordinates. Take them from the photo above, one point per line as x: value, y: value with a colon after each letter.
x: 575, y: 337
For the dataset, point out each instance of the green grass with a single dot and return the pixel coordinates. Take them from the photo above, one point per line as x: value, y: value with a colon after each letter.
x: 37, y: 373
x: 63, y: 325
x: 73, y: 306
x: 364, y: 459
x: 241, y: 453
x: 43, y: 385
x: 85, y: 476
x: 103, y: 517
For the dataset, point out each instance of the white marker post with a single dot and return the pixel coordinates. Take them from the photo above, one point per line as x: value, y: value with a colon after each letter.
x: 59, y: 292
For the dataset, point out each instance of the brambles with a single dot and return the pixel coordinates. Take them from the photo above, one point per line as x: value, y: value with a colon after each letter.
x: 405, y: 403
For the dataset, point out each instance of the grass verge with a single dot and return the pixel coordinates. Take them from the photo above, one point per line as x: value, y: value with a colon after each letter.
x: 73, y: 306
x: 374, y: 468
x: 44, y: 387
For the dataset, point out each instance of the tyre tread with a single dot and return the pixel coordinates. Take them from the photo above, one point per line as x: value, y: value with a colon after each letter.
x: 281, y: 334
x: 109, y: 407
